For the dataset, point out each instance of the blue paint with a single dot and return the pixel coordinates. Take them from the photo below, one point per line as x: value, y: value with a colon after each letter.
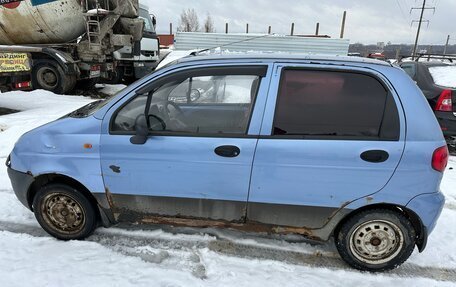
x: 41, y: 2
x: 318, y: 173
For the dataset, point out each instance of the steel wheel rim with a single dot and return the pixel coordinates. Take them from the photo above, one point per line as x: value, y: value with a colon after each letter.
x: 63, y: 213
x: 47, y: 78
x: 376, y: 242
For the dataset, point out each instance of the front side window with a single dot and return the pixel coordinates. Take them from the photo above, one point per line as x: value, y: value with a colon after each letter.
x: 332, y: 104
x: 220, y: 104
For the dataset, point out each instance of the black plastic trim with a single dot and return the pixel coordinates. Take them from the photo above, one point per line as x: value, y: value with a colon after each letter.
x: 21, y: 183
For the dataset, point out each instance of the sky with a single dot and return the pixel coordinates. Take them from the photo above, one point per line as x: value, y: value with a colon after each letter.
x: 368, y: 21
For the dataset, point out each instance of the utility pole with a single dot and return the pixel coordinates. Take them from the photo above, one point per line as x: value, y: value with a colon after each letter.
x: 342, y: 29
x: 317, y: 29
x: 446, y: 45
x: 415, y: 47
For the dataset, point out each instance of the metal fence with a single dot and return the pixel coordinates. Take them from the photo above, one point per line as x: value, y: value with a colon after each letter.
x: 261, y: 42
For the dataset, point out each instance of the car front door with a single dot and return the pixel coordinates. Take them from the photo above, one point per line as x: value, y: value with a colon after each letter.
x: 196, y: 163
x: 329, y: 136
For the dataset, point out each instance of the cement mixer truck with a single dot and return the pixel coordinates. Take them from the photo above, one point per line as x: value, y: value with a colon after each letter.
x: 56, y: 44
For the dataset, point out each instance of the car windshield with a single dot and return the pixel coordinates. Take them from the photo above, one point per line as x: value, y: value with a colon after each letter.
x: 444, y: 75
x: 149, y: 26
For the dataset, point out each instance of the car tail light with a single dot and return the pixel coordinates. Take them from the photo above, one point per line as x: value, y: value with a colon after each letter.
x: 445, y: 102
x: 440, y: 159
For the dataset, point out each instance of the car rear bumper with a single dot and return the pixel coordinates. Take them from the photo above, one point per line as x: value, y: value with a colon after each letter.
x: 21, y: 183
x: 447, y: 121
x: 428, y: 207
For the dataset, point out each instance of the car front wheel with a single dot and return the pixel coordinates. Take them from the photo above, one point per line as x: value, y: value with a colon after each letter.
x: 64, y: 212
x: 376, y: 240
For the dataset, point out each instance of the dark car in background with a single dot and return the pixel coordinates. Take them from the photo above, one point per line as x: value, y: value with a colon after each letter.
x: 437, y: 80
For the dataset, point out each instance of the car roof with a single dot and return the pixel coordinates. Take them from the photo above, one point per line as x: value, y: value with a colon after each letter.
x: 277, y: 57
x: 436, y: 64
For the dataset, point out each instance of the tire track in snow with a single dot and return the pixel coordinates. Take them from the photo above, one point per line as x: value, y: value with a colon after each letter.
x: 183, y: 254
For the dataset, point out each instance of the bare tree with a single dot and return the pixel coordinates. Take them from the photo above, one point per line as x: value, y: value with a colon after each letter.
x: 188, y: 21
x: 209, y: 24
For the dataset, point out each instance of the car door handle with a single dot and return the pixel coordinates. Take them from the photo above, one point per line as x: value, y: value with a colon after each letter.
x: 375, y: 156
x: 227, y: 151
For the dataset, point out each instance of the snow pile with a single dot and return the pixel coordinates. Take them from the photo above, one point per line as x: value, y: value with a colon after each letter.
x: 444, y: 76
x: 175, y: 257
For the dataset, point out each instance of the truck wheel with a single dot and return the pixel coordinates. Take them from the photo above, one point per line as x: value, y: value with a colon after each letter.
x: 116, y: 77
x: 48, y: 75
x: 376, y: 240
x: 64, y: 212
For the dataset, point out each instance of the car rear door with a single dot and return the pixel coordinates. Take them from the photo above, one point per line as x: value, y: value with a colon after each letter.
x: 329, y: 136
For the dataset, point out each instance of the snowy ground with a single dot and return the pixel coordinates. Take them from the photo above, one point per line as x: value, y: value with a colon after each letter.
x: 126, y: 256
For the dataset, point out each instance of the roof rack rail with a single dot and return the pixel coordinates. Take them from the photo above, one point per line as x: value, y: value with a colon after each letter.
x: 429, y: 56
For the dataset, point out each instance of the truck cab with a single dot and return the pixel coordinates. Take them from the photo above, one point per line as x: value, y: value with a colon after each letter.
x: 135, y: 63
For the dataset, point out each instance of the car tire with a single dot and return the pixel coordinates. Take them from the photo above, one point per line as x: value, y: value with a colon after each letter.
x: 376, y: 240
x: 64, y: 212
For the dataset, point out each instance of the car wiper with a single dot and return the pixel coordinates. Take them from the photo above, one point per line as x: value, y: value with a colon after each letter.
x: 85, y: 110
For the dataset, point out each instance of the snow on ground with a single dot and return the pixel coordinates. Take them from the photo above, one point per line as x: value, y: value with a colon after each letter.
x: 109, y: 90
x: 128, y: 256
x: 444, y: 76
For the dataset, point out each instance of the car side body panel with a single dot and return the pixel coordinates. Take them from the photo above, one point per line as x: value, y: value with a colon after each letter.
x: 264, y: 204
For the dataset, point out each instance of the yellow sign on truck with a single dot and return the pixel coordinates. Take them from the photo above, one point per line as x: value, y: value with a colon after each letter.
x: 14, y: 62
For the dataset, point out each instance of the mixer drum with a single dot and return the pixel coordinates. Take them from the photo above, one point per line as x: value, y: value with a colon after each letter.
x: 41, y: 22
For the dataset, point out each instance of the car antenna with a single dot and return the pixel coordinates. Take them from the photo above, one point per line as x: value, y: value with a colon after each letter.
x: 196, y: 53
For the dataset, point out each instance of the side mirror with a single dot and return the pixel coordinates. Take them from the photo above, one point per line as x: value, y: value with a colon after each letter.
x: 142, y: 131
x: 154, y: 20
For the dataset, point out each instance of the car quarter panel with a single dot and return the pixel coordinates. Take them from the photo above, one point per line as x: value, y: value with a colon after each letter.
x: 68, y: 147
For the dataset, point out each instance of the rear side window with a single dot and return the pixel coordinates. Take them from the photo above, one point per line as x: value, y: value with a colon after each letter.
x: 333, y: 104
x: 410, y: 69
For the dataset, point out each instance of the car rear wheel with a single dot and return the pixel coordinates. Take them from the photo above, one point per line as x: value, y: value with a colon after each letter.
x: 64, y: 212
x: 376, y: 240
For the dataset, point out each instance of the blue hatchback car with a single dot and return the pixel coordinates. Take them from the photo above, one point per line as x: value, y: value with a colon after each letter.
x: 324, y: 147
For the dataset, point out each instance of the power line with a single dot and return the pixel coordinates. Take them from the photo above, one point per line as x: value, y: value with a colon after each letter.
x: 422, y: 9
x: 402, y: 10
x: 400, y: 7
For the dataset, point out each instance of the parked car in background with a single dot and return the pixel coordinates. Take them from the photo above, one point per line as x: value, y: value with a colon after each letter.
x: 323, y: 147
x: 437, y: 81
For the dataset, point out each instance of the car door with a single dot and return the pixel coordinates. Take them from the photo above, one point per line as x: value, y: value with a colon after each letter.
x: 330, y: 136
x: 197, y: 160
